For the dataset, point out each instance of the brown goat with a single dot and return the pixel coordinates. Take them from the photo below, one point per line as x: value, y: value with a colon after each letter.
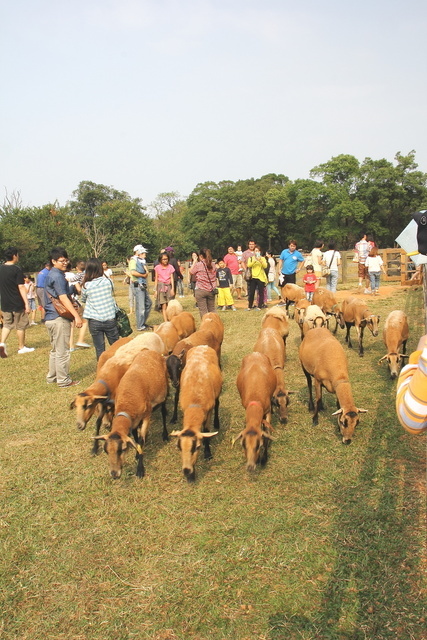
x: 299, y: 311
x: 174, y: 308
x: 291, y: 293
x: 356, y: 314
x: 201, y: 383
x: 111, y: 351
x: 322, y: 357
x: 270, y: 343
x: 395, y: 335
x: 277, y: 318
x: 177, y: 359
x: 169, y: 334
x: 101, y: 393
x: 213, y: 322
x: 256, y: 383
x: 184, y: 323
x: 142, y: 389
x: 313, y: 318
x: 326, y: 300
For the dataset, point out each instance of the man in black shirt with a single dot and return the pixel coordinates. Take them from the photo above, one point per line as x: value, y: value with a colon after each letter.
x: 14, y: 302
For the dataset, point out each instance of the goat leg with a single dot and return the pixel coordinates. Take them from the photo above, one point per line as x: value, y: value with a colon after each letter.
x: 174, y: 418
x: 165, y: 434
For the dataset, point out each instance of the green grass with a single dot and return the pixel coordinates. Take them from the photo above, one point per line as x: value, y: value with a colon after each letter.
x: 326, y: 542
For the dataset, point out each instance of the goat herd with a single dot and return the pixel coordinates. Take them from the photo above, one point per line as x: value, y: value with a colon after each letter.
x: 132, y: 377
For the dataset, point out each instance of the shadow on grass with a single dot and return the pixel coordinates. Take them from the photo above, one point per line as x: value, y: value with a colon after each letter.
x: 372, y: 593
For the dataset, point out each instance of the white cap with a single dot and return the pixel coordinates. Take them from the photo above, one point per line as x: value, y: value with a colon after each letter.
x: 139, y: 249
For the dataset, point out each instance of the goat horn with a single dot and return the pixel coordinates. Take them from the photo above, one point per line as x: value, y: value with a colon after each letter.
x: 99, y: 438
x: 383, y: 358
x: 209, y: 434
x: 268, y: 425
x: 135, y: 445
x: 175, y: 433
x: 404, y: 355
x: 233, y: 440
x: 363, y: 410
x: 99, y: 397
x: 337, y: 412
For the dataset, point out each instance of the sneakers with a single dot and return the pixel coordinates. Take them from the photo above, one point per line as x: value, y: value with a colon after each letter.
x: 248, y: 309
x: 233, y: 308
x: 224, y: 308
x: 85, y: 345
x: 33, y: 324
x: 25, y: 350
x: 3, y: 352
x: 257, y: 309
x: 72, y: 383
x: 367, y: 291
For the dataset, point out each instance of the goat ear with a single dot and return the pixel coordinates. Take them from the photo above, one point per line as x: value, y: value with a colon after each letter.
x: 181, y: 355
x: 175, y: 433
x: 337, y: 412
x: 233, y: 440
x: 209, y: 434
x: 362, y: 410
x: 73, y: 405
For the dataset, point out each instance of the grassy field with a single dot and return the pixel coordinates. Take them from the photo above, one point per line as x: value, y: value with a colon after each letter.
x: 326, y: 542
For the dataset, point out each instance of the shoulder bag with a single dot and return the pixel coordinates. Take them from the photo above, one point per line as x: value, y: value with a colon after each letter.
x: 61, y: 310
x: 326, y: 271
x: 214, y: 289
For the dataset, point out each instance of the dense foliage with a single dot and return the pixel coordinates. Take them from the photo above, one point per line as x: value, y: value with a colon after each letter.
x: 342, y: 198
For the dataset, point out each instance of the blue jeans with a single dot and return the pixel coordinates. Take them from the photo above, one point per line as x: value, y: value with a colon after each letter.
x: 332, y: 281
x: 374, y: 279
x: 99, y: 330
x: 143, y: 304
x: 270, y: 288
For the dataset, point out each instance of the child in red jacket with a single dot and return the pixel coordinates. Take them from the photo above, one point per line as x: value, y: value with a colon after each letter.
x: 309, y: 280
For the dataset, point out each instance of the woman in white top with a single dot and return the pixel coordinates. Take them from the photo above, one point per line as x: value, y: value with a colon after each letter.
x: 317, y: 257
x: 375, y: 265
x: 332, y: 260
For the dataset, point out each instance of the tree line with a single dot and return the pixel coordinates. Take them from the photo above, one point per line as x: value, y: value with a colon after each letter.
x: 342, y: 198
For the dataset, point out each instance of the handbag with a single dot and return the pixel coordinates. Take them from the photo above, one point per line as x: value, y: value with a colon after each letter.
x: 248, y: 274
x: 326, y: 271
x: 61, y: 310
x: 123, y: 324
x: 214, y: 289
x: 356, y: 257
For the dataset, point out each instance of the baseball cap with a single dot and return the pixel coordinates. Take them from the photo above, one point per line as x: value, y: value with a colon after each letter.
x: 139, y: 249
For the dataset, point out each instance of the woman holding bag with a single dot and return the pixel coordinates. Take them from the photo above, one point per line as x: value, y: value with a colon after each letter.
x: 100, y: 306
x: 205, y: 289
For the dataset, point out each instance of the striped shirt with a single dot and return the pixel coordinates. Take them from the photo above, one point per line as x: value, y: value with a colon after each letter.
x: 411, y: 396
x: 205, y: 278
x: 98, y: 296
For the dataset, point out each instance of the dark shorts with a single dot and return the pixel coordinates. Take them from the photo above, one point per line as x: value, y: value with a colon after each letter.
x: 15, y: 320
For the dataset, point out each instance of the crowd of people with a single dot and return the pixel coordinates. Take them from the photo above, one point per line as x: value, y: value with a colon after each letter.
x: 238, y: 273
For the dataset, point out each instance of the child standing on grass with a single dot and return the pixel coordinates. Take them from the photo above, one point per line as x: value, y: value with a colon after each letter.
x: 31, y: 297
x: 310, y: 281
x: 375, y: 265
x: 225, y: 282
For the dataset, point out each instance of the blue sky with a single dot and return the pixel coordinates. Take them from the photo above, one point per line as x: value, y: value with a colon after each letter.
x: 151, y: 96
